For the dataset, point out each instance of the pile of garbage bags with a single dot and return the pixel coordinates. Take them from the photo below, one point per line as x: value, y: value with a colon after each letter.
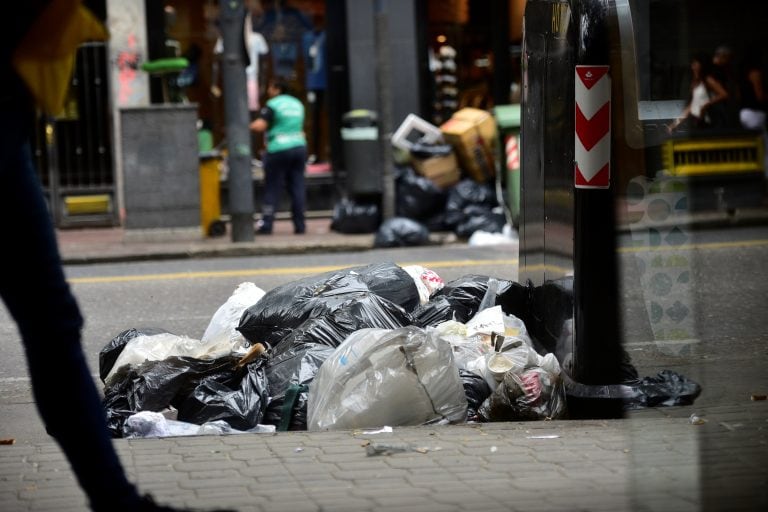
x: 421, y: 208
x: 360, y: 347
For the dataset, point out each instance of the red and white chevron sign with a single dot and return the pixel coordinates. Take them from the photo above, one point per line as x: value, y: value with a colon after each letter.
x: 513, y: 153
x: 592, y: 166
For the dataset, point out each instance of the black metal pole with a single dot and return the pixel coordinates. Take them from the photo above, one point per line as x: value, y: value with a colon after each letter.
x: 240, y: 182
x: 598, y: 351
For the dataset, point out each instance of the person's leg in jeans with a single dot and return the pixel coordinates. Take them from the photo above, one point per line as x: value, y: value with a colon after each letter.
x: 34, y: 289
x: 273, y: 188
x: 296, y: 188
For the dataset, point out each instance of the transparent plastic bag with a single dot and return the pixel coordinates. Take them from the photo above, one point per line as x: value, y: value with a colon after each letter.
x: 387, y: 377
x: 537, y: 393
x: 158, y: 347
x: 148, y: 424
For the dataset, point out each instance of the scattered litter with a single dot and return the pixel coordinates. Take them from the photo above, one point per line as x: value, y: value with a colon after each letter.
x: 731, y: 426
x: 756, y: 398
x: 696, y: 420
x: 382, y: 430
x: 298, y: 450
x: 8, y: 441
x: 373, y: 449
x: 551, y: 436
x: 494, y: 449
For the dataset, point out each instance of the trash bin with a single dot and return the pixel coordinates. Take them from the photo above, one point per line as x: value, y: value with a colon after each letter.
x: 362, y: 153
x: 210, y: 194
x: 508, y: 121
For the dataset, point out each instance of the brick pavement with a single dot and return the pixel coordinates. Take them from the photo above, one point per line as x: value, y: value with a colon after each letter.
x: 647, y: 462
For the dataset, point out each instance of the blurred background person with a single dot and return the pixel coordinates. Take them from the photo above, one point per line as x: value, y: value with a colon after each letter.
x: 282, y: 119
x: 705, y: 91
x: 752, y: 114
x: 725, y: 114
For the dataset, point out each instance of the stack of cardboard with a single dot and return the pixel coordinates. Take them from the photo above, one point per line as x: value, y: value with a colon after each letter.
x: 442, y: 170
x: 472, y: 133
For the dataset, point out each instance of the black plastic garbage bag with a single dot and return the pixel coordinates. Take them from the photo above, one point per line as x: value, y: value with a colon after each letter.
x: 357, y: 311
x: 476, y: 390
x: 401, y: 232
x: 536, y: 394
x: 286, y: 307
x: 480, y: 218
x: 421, y: 150
x: 289, y: 373
x: 667, y: 388
x: 437, y: 223
x: 239, y: 400
x: 468, y: 193
x: 156, y: 385
x: 461, y: 298
x: 353, y: 217
x: 417, y: 197
x: 295, y: 360
x: 112, y: 350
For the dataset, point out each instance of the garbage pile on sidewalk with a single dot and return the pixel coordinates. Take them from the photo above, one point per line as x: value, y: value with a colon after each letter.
x: 445, y: 180
x: 355, y: 348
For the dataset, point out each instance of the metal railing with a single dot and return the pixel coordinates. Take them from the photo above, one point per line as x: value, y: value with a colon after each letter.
x: 73, y: 151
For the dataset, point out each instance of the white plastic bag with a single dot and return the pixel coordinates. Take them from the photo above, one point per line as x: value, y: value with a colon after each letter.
x: 427, y: 281
x: 394, y: 377
x: 483, y: 238
x: 493, y: 320
x: 223, y: 325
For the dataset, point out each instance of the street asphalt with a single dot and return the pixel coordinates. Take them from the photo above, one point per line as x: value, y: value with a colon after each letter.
x: 711, y: 455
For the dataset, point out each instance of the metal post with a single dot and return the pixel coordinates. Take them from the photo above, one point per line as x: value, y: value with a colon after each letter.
x: 240, y: 182
x: 597, y: 358
x: 568, y: 247
x: 384, y: 87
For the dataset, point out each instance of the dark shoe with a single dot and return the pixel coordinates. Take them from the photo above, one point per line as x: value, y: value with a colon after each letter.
x: 263, y: 228
x: 299, y: 231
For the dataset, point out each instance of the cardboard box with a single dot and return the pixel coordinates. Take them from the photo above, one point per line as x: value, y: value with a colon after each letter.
x: 443, y: 171
x: 473, y: 134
